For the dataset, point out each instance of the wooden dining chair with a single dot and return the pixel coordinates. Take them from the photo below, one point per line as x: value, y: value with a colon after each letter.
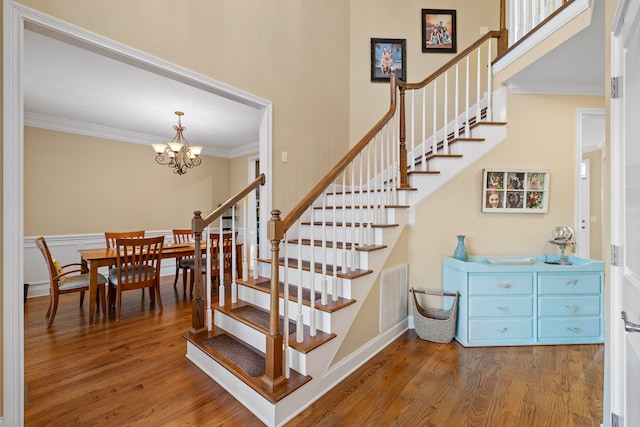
x: 111, y: 236
x: 227, y: 244
x: 182, y: 237
x: 137, y: 267
x: 65, y: 279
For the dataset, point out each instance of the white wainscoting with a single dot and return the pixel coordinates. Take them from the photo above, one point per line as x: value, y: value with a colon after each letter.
x: 65, y: 249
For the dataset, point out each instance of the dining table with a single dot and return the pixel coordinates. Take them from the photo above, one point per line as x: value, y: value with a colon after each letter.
x: 104, y: 257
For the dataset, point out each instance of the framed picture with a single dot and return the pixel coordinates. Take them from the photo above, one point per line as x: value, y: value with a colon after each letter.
x: 439, y: 30
x: 387, y: 56
x: 515, y: 191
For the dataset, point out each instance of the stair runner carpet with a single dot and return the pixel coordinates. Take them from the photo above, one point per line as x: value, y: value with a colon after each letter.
x: 242, y: 356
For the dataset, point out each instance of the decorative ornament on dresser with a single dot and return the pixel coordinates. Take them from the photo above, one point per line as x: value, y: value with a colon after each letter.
x: 461, y: 251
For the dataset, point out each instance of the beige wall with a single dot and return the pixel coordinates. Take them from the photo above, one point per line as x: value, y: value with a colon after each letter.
x: 595, y: 202
x: 80, y: 184
x: 541, y: 136
x: 274, y: 49
x: 402, y: 20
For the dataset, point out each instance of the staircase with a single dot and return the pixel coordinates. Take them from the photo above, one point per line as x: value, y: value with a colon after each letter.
x: 327, y: 261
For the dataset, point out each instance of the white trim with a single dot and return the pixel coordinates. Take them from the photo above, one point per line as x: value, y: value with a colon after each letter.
x: 16, y: 16
x: 12, y: 228
x: 581, y: 115
x: 82, y: 128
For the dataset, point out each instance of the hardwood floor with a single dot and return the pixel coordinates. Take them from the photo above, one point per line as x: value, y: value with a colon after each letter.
x: 134, y: 373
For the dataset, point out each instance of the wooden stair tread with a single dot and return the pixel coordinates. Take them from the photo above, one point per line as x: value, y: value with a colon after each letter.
x: 318, y: 243
x: 349, y: 224
x: 423, y: 172
x: 331, y: 306
x: 293, y: 263
x: 258, y: 319
x: 338, y: 192
x: 359, y: 207
x: 204, y: 342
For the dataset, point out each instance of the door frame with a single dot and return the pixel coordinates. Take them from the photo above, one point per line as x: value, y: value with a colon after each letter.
x: 15, y: 17
x: 626, y: 19
x: 588, y: 120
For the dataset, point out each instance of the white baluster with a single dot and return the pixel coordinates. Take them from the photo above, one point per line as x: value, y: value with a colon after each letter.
x: 234, y: 255
x: 300, y: 325
x: 445, y: 138
x: 285, y: 308
x: 489, y: 80
x: 478, y: 80
x: 324, y: 249
x: 434, y: 142
x: 209, y: 313
x: 220, y: 267
x: 456, y: 130
x: 467, y: 129
x: 245, y: 263
x: 312, y: 277
x: 424, y: 128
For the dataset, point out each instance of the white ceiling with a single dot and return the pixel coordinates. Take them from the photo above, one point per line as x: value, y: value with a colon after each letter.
x: 71, y: 88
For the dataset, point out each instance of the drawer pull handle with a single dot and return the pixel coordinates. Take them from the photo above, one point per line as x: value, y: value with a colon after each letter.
x: 572, y: 282
x: 502, y: 330
x: 504, y: 285
x: 504, y: 309
x: 573, y: 309
x: 574, y: 330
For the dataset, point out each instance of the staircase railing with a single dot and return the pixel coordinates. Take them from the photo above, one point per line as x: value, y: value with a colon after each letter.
x: 357, y: 190
x: 526, y: 15
x: 200, y: 316
x: 440, y: 106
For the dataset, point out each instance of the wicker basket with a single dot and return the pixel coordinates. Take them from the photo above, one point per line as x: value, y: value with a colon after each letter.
x: 434, y: 324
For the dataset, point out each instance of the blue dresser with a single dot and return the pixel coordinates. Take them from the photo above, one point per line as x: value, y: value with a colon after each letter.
x: 526, y: 301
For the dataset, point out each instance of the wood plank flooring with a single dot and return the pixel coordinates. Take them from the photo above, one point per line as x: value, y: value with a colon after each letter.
x: 134, y: 373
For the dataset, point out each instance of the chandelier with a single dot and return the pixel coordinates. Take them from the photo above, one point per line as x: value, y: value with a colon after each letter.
x: 177, y: 154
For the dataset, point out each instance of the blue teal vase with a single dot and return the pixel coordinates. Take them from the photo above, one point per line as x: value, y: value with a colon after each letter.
x: 461, y: 252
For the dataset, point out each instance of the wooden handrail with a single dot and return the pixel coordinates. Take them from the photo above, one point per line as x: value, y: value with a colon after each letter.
x: 198, y: 225
x: 307, y: 201
x: 260, y: 180
x: 454, y: 61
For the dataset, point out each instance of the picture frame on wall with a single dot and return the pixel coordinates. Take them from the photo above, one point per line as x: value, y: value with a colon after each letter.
x: 515, y: 191
x: 439, y: 31
x: 388, y: 56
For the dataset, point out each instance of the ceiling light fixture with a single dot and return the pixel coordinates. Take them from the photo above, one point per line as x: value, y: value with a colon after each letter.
x: 177, y: 154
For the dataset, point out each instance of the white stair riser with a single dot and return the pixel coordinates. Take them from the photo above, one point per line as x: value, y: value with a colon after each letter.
x: 366, y: 198
x: 294, y: 276
x: 262, y: 300
x: 354, y: 259
x: 374, y: 236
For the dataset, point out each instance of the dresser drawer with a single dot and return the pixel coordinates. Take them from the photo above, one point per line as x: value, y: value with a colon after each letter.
x: 500, y: 307
x: 501, y: 285
x: 569, y: 284
x: 569, y: 306
x: 585, y: 327
x: 500, y: 329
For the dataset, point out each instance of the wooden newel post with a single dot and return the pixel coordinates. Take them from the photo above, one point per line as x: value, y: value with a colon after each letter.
x: 197, y: 303
x: 503, y: 41
x: 274, y: 369
x: 404, y: 177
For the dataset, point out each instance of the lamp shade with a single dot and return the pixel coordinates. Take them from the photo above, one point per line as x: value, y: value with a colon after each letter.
x: 175, y: 146
x: 159, y: 148
x: 196, y: 150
